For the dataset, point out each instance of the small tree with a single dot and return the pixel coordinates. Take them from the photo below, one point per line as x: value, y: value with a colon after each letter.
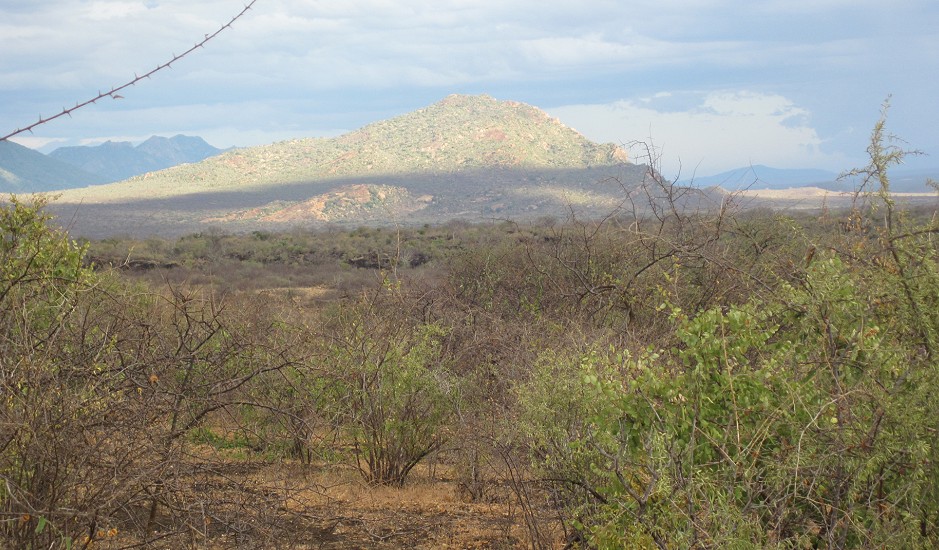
x: 391, y: 392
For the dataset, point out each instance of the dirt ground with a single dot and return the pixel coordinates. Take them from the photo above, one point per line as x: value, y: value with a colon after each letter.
x: 233, y: 502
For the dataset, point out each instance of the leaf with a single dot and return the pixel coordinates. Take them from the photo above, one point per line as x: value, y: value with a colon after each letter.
x: 41, y: 526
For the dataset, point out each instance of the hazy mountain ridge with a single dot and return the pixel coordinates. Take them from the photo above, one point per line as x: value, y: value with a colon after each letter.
x: 115, y: 161
x: 763, y: 177
x: 23, y: 170
x: 759, y: 177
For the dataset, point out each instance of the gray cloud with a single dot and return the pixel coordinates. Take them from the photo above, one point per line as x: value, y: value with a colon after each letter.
x: 310, y: 67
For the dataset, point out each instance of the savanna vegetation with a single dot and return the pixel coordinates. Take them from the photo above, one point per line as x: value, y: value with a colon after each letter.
x: 663, y: 376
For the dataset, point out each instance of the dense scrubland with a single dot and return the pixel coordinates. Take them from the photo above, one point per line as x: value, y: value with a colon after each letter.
x: 658, y: 377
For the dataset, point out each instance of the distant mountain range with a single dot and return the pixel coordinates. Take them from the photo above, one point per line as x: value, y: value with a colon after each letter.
x: 120, y: 160
x: 764, y: 177
x: 23, y: 170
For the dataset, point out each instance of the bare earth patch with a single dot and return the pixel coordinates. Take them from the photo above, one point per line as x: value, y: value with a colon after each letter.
x: 240, y: 502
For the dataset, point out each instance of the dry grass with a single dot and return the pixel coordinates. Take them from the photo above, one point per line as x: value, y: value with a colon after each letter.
x: 251, y: 503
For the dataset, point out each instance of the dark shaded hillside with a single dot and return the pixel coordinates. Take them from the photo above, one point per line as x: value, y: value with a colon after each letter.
x: 23, y: 170
x: 470, y: 195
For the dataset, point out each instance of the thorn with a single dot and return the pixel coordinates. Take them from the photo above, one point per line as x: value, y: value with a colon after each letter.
x: 117, y: 96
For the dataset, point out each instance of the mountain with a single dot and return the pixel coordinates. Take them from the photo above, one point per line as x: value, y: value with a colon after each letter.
x: 178, y: 149
x: 467, y: 157
x: 913, y: 180
x: 764, y: 177
x: 902, y: 180
x: 116, y: 161
x: 23, y: 170
x: 456, y: 134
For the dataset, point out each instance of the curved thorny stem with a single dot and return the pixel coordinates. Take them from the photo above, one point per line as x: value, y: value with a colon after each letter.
x: 113, y: 93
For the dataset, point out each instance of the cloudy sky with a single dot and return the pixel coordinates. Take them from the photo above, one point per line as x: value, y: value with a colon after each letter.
x: 715, y: 84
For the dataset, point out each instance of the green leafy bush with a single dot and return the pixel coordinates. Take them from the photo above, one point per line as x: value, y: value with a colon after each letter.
x: 803, y: 417
x: 391, y: 392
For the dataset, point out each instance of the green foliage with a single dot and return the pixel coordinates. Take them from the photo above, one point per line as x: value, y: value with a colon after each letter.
x: 33, y: 258
x: 43, y: 288
x: 391, y: 392
x: 799, y: 418
x: 673, y: 380
x: 102, y: 380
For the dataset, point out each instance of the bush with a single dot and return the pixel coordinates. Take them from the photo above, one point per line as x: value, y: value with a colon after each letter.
x: 101, y: 381
x: 392, y: 394
x: 801, y: 418
x: 60, y: 421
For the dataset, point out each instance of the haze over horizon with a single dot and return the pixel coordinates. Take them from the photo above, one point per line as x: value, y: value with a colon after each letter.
x: 717, y: 84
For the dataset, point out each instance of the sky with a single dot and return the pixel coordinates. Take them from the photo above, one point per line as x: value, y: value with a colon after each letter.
x: 712, y: 85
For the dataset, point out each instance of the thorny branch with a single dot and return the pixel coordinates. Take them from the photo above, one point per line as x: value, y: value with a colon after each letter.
x: 113, y: 93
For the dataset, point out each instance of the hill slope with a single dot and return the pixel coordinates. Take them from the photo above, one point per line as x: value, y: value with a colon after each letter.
x: 23, y: 170
x: 456, y: 134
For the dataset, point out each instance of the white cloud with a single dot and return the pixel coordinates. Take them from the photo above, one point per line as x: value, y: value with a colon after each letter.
x: 103, y: 11
x: 711, y: 133
x: 303, y: 63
